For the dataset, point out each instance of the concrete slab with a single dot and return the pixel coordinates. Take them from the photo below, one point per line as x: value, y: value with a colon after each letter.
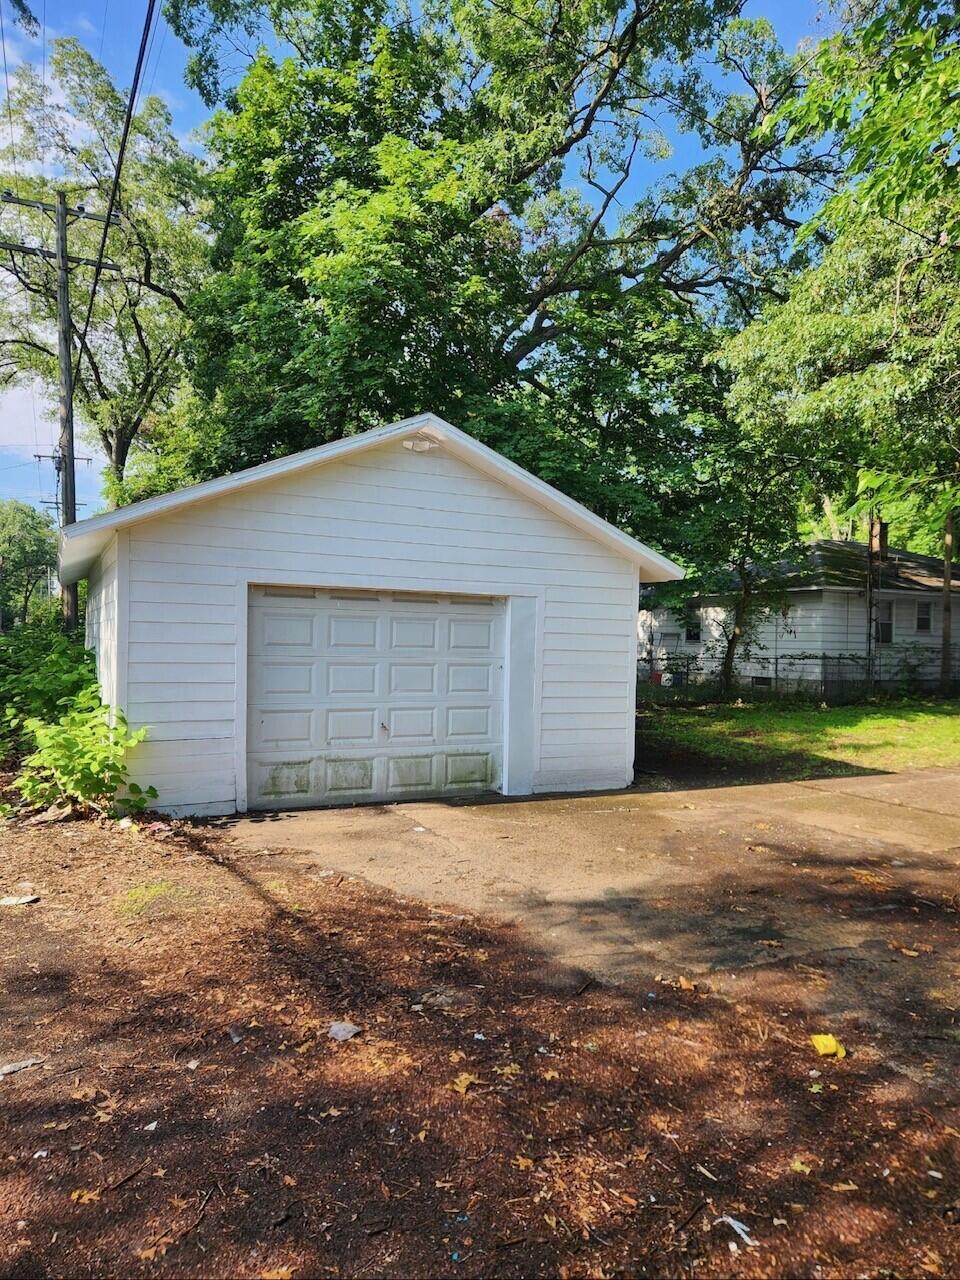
x: 728, y: 884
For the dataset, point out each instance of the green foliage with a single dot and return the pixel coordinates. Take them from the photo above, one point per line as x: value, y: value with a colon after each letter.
x: 887, y: 90
x: 28, y: 553
x: 443, y: 212
x: 40, y: 667
x: 81, y: 756
x: 70, y: 745
x: 65, y: 128
x: 856, y: 375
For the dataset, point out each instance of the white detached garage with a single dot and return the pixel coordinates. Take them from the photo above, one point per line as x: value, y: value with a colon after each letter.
x: 401, y: 613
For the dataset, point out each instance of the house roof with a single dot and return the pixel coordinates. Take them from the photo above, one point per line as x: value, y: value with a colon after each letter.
x: 82, y: 543
x: 831, y: 563
x: 843, y: 565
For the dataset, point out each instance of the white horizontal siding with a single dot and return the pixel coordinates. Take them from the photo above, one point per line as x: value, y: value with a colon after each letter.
x: 831, y: 622
x: 391, y: 519
x: 910, y: 651
x: 102, y: 620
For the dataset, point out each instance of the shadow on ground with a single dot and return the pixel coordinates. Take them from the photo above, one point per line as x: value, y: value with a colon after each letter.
x: 498, y: 1114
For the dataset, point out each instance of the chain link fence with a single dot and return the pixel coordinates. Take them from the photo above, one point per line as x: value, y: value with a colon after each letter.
x: 824, y: 677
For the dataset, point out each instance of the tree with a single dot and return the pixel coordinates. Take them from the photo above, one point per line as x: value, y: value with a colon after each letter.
x: 66, y: 131
x: 28, y: 553
x: 451, y: 211
x: 903, y: 65
x: 858, y: 375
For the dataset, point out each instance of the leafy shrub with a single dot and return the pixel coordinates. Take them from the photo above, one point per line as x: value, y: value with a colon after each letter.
x: 81, y: 756
x: 39, y: 668
x: 72, y: 745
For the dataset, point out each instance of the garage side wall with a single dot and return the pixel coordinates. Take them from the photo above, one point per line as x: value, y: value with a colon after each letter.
x: 102, y: 620
x: 387, y: 519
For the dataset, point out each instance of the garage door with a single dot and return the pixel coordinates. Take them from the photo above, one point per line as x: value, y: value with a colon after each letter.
x: 372, y: 696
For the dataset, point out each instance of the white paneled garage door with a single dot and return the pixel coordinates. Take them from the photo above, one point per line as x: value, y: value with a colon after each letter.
x: 372, y: 696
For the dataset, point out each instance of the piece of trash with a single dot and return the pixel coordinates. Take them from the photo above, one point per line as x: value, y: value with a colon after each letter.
x: 24, y: 901
x: 932, y: 1173
x: 125, y: 824
x: 828, y: 1046
x: 343, y: 1031
x: 149, y: 1128
x: 706, y: 1172
x: 419, y: 828
x: 738, y: 1227
x: 478, y: 1035
x: 193, y: 1064
x: 40, y: 1155
x: 235, y: 1034
x: 436, y: 999
x: 11, y: 1068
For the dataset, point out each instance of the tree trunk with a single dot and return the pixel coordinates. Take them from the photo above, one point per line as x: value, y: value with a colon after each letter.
x: 32, y: 584
x: 733, y: 639
x: 830, y: 514
x: 946, y: 651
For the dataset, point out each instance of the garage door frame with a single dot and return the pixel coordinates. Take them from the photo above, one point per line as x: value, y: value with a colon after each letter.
x: 522, y: 671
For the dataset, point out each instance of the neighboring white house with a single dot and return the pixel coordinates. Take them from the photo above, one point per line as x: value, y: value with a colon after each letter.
x: 816, y: 635
x: 400, y: 613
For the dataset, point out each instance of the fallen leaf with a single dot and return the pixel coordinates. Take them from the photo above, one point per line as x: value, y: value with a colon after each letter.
x: 463, y: 1082
x: 458, y: 1056
x: 844, y: 1186
x: 687, y: 985
x: 84, y: 1196
x: 828, y: 1046
x: 277, y: 1273
x: 798, y: 1166
x: 511, y: 1069
x: 288, y: 1181
x: 523, y: 1162
x: 816, y: 1087
x: 551, y: 1075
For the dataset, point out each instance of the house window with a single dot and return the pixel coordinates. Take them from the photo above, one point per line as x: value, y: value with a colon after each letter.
x: 693, y: 626
x: 924, y: 616
x: 885, y: 622
x: 762, y: 682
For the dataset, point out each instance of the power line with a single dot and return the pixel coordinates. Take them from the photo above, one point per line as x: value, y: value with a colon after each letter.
x: 115, y: 187
x: 13, y: 141
x: 103, y: 29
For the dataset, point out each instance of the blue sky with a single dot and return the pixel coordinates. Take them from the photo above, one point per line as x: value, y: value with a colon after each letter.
x: 111, y: 29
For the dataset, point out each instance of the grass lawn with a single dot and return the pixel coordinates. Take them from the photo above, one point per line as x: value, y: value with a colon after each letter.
x: 802, y: 741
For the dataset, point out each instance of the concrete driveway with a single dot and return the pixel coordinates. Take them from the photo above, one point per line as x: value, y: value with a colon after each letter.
x: 848, y: 886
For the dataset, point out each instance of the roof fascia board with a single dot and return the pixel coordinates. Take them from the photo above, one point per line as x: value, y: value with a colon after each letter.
x: 84, y: 539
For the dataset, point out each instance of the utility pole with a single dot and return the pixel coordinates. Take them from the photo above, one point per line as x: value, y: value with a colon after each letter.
x: 63, y: 260
x: 68, y: 476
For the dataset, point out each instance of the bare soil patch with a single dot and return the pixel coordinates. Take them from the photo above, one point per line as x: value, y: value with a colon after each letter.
x: 496, y: 1115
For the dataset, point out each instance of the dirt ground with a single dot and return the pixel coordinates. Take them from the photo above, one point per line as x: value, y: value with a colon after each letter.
x: 500, y: 1112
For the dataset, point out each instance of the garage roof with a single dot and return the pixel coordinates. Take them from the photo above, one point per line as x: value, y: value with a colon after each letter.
x: 82, y: 543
